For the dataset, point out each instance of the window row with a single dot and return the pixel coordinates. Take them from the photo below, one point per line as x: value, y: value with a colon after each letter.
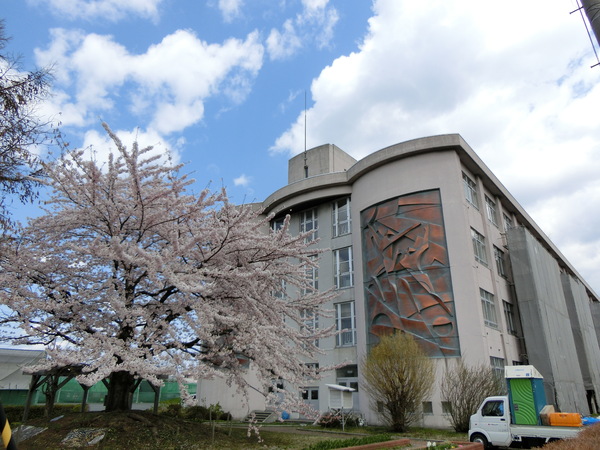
x: 309, y: 220
x: 428, y: 407
x: 480, y: 252
x: 345, y: 324
x: 343, y: 271
x: 488, y: 307
x: 491, y: 209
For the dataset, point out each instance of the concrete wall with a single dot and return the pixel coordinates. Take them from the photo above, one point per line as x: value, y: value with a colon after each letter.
x: 595, y: 309
x: 320, y: 160
x: 585, y: 335
x: 547, y: 329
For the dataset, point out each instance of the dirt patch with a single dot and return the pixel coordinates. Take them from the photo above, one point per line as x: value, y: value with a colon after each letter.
x: 144, y: 430
x: 131, y: 430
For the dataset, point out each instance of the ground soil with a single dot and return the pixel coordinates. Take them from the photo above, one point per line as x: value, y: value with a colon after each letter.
x: 143, y: 430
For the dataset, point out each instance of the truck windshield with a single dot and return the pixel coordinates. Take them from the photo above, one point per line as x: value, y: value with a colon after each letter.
x: 493, y: 408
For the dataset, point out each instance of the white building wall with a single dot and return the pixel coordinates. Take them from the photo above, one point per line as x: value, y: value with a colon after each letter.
x: 216, y: 390
x: 442, y: 170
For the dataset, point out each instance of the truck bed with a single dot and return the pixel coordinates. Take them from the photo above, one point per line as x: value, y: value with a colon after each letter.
x: 544, y: 431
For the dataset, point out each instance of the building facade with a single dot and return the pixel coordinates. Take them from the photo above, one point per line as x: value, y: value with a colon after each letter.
x: 422, y: 237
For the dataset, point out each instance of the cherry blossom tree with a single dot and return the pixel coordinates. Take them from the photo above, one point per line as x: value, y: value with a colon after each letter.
x: 21, y: 130
x: 131, y: 277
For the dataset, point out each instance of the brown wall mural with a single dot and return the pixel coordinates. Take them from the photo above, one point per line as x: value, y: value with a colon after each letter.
x: 407, y: 274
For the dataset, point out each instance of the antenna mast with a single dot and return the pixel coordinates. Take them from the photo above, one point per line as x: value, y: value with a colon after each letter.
x: 305, y: 161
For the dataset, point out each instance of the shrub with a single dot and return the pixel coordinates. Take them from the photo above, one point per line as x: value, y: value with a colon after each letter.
x: 333, y: 419
x: 196, y: 412
x: 398, y: 376
x: 341, y: 443
x: 14, y: 413
x: 465, y: 387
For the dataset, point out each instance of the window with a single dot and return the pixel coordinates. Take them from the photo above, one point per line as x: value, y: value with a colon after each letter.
x: 427, y: 408
x: 343, y: 271
x: 312, y: 278
x: 310, y: 323
x: 345, y: 319
x: 497, y: 366
x: 341, y: 217
x: 281, y: 291
x: 446, y: 407
x: 470, y: 191
x: 500, y: 262
x: 348, y: 376
x: 276, y: 385
x: 493, y: 408
x: 349, y: 371
x: 479, y: 247
x: 312, y: 369
x: 489, y: 308
x: 509, y: 315
x: 490, y: 209
x: 308, y: 223
x: 508, y: 223
x: 311, y: 393
x: 277, y: 224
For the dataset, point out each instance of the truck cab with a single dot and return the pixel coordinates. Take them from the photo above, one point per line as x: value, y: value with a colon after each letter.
x: 490, y: 425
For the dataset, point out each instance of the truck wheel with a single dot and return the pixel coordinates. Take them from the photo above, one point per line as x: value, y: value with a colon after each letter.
x: 478, y: 437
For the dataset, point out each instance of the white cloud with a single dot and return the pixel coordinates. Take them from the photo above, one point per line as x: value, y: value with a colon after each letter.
x: 508, y: 77
x: 320, y: 19
x: 112, y: 10
x: 315, y: 23
x: 231, y: 9
x: 314, y: 5
x: 170, y: 81
x: 282, y: 44
x: 242, y: 180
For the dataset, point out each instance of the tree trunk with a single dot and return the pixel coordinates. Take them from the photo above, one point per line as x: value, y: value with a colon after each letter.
x: 120, y: 391
x: 50, y: 390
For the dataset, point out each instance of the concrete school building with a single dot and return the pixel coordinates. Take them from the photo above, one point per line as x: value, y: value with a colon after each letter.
x: 422, y: 237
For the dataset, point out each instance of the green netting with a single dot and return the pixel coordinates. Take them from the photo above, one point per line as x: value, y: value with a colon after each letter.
x: 72, y: 392
x: 16, y: 396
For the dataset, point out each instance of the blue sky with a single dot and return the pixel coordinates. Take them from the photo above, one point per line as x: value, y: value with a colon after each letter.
x: 221, y: 84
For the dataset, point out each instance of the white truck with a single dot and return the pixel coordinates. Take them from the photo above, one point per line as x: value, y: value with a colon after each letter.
x: 491, y: 425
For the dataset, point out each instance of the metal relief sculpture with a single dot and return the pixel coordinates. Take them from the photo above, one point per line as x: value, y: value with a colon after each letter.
x: 407, y: 275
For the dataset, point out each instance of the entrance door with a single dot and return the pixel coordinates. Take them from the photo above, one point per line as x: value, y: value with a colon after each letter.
x: 310, y: 395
